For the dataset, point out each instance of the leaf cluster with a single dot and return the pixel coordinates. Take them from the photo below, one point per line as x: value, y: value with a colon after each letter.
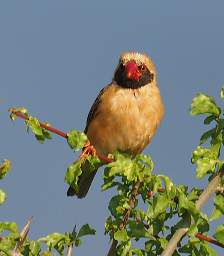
x: 5, y: 166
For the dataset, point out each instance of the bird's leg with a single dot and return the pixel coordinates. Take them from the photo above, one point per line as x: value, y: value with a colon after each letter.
x: 88, y: 149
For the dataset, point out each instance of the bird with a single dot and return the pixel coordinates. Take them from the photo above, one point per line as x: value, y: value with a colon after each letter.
x: 125, y: 115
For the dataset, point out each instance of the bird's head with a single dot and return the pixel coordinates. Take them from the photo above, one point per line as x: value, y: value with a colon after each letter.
x: 134, y: 70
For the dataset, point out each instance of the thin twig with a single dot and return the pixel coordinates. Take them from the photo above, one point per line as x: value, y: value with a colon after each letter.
x: 126, y: 216
x: 209, y: 239
x: 42, y: 125
x: 131, y: 203
x: 102, y: 157
x: 207, y: 193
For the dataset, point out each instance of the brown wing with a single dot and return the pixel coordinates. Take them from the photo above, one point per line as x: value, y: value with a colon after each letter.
x: 86, y: 177
x: 93, y: 110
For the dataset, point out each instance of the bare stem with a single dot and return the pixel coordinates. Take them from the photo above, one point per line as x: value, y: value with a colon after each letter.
x: 113, y: 247
x: 23, y: 235
x: 69, y: 252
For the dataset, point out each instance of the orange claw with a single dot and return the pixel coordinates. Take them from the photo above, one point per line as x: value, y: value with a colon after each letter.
x: 88, y: 149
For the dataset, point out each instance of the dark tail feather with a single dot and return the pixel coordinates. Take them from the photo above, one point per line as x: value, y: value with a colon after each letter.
x: 84, y: 183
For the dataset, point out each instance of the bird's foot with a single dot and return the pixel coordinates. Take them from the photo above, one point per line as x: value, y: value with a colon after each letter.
x: 87, y: 150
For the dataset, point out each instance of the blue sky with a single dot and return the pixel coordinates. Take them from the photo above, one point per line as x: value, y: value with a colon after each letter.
x: 56, y: 55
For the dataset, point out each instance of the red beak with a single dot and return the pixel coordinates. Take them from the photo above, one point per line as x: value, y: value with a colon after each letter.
x: 132, y: 71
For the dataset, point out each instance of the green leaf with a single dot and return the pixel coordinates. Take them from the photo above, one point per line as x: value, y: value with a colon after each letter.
x: 168, y: 183
x: 154, y: 247
x: 32, y: 249
x: 116, y: 205
x: 81, y: 166
x: 109, y: 184
x: 35, y: 248
x: 137, y: 252
x: 187, y: 205
x: 159, y: 206
x: 206, y: 250
x: 222, y: 93
x: 40, y: 133
x: 193, y: 230
x: 203, y: 104
x: 124, y: 248
x: 4, y: 168
x: 76, y: 139
x: 56, y: 241
x: 2, y: 196
x: 46, y: 135
x: 12, y: 111
x: 206, y: 159
x: 34, y: 124
x: 93, y: 162
x: 200, y: 152
x: 187, y: 248
x: 219, y: 233
x: 185, y: 222
x: 123, y: 165
x: 10, y: 226
x: 135, y: 169
x: 86, y: 230
x: 45, y: 253
x: 216, y: 214
x: 78, y: 242
x: 163, y: 242
x: 145, y: 160
x: 203, y: 223
x: 219, y: 202
x: 137, y: 230
x: 205, y: 136
x: 121, y: 236
x: 194, y: 194
x: 73, y: 173
x: 216, y: 144
x: 209, y: 119
x: 204, y: 166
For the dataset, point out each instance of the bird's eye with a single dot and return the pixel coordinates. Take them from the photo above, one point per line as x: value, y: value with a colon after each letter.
x: 122, y: 66
x: 141, y: 68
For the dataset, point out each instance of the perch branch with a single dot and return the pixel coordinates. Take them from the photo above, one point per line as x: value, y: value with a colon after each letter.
x: 58, y: 132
